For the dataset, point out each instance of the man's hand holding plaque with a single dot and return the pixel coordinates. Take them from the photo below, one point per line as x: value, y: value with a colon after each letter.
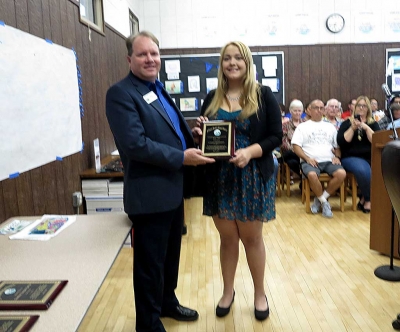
x: 218, y: 139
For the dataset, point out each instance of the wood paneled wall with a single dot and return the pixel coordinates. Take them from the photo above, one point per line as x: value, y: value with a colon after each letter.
x: 321, y: 71
x: 48, y: 189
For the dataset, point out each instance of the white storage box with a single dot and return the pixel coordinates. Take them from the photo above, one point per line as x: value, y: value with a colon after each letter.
x: 104, y: 204
x: 107, y: 204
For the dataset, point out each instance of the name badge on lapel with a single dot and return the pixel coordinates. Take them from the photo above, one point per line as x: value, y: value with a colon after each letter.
x: 150, y: 97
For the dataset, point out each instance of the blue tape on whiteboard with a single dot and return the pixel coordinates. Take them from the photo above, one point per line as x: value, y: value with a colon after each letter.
x: 59, y: 158
x: 2, y: 23
x: 83, y: 145
x: 78, y: 72
x: 49, y: 41
x: 14, y: 175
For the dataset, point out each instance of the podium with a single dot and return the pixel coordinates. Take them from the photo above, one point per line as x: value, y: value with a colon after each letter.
x: 381, y: 208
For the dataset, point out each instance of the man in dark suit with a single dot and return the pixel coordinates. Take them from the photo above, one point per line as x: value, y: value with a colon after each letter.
x: 154, y: 142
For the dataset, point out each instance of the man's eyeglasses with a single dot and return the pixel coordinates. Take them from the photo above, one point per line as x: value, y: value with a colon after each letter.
x: 318, y: 108
x: 361, y: 106
x: 333, y: 106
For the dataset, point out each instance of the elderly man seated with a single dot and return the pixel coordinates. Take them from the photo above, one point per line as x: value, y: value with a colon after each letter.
x: 332, y: 113
x: 314, y: 142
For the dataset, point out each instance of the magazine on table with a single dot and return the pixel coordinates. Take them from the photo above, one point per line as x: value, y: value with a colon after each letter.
x: 15, y: 226
x: 44, y: 229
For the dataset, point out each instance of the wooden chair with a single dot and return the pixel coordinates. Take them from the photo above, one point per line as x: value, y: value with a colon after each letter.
x: 285, y: 178
x: 351, y: 187
x: 306, y: 192
x: 278, y: 182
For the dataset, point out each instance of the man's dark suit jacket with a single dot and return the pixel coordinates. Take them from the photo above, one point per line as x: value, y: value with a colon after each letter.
x: 149, y: 147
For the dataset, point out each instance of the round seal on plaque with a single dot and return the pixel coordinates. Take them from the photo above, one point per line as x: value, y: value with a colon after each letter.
x: 10, y: 291
x: 217, y: 132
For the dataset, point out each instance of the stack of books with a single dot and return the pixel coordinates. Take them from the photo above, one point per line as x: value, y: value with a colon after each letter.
x: 115, y: 188
x: 95, y: 188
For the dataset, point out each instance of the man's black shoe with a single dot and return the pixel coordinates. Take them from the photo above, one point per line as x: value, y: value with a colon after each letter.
x: 396, y: 324
x: 182, y: 314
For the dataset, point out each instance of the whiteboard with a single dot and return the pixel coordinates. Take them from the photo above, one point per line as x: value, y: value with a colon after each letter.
x: 40, y: 118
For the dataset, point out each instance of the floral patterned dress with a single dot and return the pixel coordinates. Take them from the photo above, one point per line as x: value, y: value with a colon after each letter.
x: 239, y: 193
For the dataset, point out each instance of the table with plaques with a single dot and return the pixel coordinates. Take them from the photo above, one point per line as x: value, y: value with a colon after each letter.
x: 83, y: 254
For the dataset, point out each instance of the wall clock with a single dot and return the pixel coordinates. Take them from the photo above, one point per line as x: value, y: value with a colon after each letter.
x: 335, y: 23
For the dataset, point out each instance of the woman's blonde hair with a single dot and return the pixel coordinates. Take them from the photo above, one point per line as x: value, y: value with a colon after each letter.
x: 251, y: 96
x: 369, y: 117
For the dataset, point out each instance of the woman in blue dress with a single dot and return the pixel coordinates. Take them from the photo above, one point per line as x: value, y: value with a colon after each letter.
x: 240, y: 191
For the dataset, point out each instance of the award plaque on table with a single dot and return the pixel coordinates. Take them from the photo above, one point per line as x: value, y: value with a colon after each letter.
x: 218, y: 140
x: 17, y: 323
x: 29, y: 294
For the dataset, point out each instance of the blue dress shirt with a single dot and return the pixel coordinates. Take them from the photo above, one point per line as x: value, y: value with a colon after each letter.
x: 157, y: 88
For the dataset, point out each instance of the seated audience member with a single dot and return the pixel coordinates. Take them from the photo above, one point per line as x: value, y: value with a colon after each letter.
x: 386, y: 120
x: 288, y: 128
x: 289, y: 114
x: 284, y: 111
x: 395, y: 107
x: 307, y: 111
x: 332, y: 113
x: 354, y: 138
x: 350, y: 109
x: 313, y: 141
x: 377, y: 114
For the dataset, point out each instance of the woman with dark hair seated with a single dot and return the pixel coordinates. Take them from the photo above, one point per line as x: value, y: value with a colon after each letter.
x: 354, y: 138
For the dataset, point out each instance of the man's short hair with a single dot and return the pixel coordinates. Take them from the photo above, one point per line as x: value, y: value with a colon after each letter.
x: 130, y: 40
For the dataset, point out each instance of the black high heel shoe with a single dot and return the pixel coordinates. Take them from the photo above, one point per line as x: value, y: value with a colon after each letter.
x: 366, y: 210
x: 360, y: 206
x: 262, y: 315
x: 222, y: 312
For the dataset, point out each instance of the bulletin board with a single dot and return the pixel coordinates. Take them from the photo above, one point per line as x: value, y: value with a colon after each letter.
x: 393, y: 69
x: 188, y: 78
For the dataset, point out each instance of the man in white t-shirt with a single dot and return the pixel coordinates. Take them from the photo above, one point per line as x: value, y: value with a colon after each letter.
x: 314, y: 142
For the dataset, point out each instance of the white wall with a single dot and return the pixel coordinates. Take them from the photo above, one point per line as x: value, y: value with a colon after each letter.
x: 211, y: 23
x: 116, y: 14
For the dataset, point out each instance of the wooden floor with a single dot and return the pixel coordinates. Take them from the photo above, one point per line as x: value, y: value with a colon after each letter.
x: 319, y: 277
